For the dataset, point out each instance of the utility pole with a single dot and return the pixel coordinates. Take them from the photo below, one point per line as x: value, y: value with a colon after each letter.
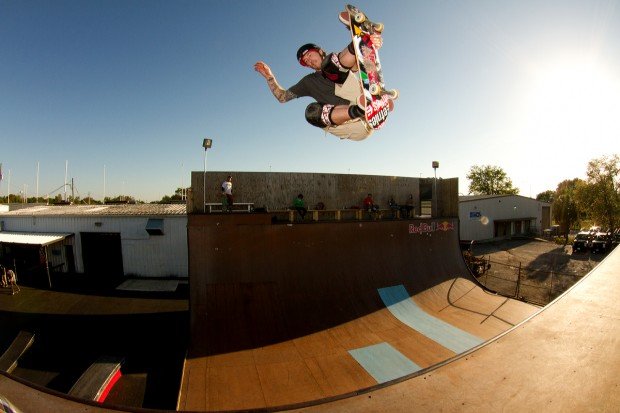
x: 206, y: 143
x: 435, y: 212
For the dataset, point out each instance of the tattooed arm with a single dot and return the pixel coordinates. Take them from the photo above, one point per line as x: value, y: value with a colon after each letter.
x: 278, y: 91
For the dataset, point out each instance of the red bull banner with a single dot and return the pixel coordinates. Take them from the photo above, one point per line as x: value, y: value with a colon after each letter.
x: 426, y: 227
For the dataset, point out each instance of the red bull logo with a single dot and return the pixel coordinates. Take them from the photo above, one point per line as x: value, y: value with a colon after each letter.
x: 445, y: 226
x: 426, y: 227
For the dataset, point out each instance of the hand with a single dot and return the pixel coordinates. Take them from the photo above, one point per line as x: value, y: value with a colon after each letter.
x: 376, y: 40
x: 263, y: 69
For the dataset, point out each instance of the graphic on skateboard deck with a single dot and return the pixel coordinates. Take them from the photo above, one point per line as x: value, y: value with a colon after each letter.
x: 369, y: 74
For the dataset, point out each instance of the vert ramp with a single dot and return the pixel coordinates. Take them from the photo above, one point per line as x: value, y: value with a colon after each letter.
x: 295, y: 315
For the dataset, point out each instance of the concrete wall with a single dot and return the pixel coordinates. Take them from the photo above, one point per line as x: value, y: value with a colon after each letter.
x: 276, y: 190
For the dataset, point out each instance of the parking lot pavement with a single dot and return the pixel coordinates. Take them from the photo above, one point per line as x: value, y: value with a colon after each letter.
x: 537, y: 254
x: 533, y: 270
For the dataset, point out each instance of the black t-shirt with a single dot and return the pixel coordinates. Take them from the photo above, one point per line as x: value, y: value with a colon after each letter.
x: 319, y: 88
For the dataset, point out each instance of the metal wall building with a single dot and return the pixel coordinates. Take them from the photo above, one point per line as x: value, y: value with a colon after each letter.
x: 147, y: 240
x: 501, y: 216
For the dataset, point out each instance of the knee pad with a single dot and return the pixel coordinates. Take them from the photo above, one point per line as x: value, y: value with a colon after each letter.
x: 319, y: 115
x: 331, y: 64
x: 332, y: 69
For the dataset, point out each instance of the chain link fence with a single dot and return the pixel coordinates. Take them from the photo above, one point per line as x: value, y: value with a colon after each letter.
x: 532, y: 285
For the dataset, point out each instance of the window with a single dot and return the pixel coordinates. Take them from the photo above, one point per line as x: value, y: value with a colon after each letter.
x: 155, y: 226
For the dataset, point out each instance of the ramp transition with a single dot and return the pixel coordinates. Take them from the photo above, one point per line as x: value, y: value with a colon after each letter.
x: 294, y: 315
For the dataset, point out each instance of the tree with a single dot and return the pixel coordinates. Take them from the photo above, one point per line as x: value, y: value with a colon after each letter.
x: 178, y: 197
x: 121, y: 199
x: 547, y: 196
x: 603, y: 191
x: 566, y: 205
x: 489, y: 180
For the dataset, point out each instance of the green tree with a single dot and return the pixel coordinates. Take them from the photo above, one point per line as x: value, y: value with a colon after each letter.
x: 490, y: 180
x: 567, y: 206
x: 547, y: 196
x: 90, y: 200
x: 603, y: 191
x: 178, y: 197
x: 121, y: 199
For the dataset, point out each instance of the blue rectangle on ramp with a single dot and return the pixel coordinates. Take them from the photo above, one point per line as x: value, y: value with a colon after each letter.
x: 383, y: 362
x: 399, y: 303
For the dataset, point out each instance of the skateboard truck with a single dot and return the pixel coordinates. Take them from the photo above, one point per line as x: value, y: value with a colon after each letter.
x: 360, y: 18
x: 377, y: 90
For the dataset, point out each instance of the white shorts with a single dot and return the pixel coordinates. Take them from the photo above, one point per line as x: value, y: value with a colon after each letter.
x: 355, y: 129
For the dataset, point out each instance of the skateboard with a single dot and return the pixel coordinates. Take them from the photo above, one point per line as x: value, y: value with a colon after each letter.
x: 370, y: 74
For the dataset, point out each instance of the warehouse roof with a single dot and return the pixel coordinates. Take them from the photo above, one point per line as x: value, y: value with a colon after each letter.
x: 469, y: 198
x: 32, y: 238
x: 100, y: 210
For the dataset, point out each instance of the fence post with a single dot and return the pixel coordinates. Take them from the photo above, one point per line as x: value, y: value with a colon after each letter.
x: 486, y: 271
x: 518, y: 282
x: 550, y: 289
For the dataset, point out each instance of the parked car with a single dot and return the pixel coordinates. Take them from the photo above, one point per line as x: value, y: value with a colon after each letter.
x: 582, y: 241
x: 601, y: 243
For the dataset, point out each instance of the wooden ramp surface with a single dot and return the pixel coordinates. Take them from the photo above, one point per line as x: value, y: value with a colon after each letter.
x: 565, y: 358
x: 284, y: 315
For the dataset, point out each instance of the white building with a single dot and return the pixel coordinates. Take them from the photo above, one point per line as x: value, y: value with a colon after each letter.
x: 148, y: 240
x: 500, y: 216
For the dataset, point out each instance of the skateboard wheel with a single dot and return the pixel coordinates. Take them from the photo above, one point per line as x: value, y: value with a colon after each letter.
x: 359, y: 17
x: 374, y: 89
x: 378, y: 27
x: 393, y: 93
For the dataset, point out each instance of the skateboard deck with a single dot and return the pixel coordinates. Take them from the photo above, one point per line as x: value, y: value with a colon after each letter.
x: 370, y: 74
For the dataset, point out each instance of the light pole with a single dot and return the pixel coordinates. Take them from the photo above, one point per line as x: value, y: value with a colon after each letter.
x: 435, y: 166
x: 206, y: 143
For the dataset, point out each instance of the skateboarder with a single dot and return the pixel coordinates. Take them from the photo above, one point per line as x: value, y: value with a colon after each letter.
x: 227, y: 193
x: 4, y: 281
x: 339, y: 106
x: 12, y: 281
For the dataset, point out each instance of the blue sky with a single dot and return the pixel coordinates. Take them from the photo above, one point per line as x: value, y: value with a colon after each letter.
x: 531, y: 86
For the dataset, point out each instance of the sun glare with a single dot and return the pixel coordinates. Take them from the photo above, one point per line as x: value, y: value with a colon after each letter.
x: 574, y: 101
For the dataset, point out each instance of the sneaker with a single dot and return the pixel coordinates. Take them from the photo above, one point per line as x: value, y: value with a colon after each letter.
x: 344, y: 18
x: 358, y: 109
